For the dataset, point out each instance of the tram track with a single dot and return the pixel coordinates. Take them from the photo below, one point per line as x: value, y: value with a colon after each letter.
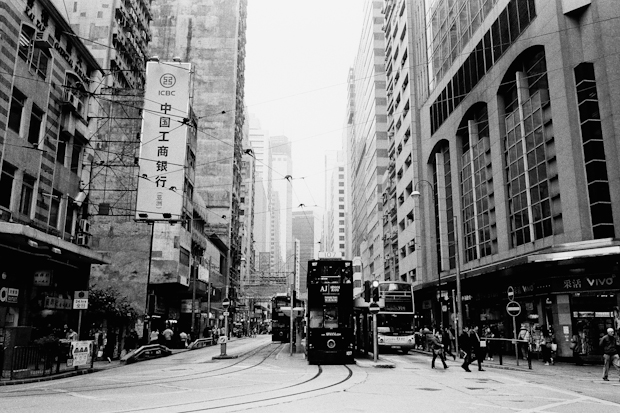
x: 261, y: 400
x: 182, y: 377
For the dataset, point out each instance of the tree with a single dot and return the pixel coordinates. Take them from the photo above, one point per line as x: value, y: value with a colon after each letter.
x: 109, y: 304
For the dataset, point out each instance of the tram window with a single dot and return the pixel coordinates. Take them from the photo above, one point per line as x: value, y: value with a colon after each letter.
x: 316, y: 318
x: 331, y: 318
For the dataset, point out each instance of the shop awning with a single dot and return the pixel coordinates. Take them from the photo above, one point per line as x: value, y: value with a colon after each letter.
x: 30, y: 240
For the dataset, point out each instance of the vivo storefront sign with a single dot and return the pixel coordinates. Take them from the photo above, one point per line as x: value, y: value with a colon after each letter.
x: 163, y: 141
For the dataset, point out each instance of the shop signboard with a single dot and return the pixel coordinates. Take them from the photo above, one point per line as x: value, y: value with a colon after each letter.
x: 81, y: 351
x: 42, y: 278
x: 186, y: 306
x: 163, y: 141
x: 9, y: 295
x: 586, y: 283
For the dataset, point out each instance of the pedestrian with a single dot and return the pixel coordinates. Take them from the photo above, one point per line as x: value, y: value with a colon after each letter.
x: 168, y: 333
x: 575, y: 345
x: 131, y: 341
x: 446, y: 340
x: 465, y: 344
x: 610, y: 352
x: 488, y: 334
x: 154, y: 337
x: 524, y: 345
x: 71, y: 335
x: 477, y: 348
x: 547, y: 341
x: 437, y: 348
x: 183, y: 338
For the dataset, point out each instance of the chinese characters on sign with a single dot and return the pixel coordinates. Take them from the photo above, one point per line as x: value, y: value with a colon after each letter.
x: 163, y: 141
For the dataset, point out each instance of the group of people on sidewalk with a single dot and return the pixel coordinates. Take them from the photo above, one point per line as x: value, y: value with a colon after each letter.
x: 473, y: 345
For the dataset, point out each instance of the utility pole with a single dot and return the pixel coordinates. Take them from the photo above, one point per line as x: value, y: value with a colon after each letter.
x: 209, y: 296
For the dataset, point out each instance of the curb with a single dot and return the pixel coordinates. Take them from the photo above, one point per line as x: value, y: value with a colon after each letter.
x: 49, y: 378
x: 486, y: 365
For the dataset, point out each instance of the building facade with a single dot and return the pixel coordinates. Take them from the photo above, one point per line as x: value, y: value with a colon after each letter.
x: 304, y: 225
x: 47, y: 77
x: 211, y: 35
x: 519, y: 149
x: 367, y: 143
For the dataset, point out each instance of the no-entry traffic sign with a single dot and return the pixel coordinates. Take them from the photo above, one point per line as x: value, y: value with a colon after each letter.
x: 513, y: 308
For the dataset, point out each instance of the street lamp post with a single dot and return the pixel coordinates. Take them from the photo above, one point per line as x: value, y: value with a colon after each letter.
x: 459, y: 304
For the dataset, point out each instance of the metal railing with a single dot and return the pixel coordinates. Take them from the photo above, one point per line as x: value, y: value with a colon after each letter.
x: 36, y: 361
x: 515, y: 342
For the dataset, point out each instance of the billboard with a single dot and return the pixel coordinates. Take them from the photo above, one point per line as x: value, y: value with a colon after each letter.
x: 163, y: 141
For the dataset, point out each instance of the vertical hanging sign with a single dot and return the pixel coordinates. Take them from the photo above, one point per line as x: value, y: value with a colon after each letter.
x: 163, y: 141
x: 297, y: 265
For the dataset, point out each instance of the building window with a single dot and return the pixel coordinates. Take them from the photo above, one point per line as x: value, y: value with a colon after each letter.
x: 476, y: 176
x: 341, y: 238
x: 341, y: 222
x: 55, y: 209
x: 341, y: 214
x: 594, y: 152
x: 340, y: 206
x: 40, y: 62
x: 341, y: 191
x: 341, y: 246
x: 25, y: 42
x: 530, y: 169
x: 25, y: 201
x: 341, y: 199
x: 76, y: 156
x: 184, y: 257
x: 340, y: 183
x: 6, y: 185
x: 18, y: 100
x: 340, y: 229
x: 36, y: 119
x: 61, y: 151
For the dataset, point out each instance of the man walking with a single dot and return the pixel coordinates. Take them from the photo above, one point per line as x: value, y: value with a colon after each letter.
x: 610, y: 353
x: 476, y: 349
x: 437, y: 348
x: 465, y: 344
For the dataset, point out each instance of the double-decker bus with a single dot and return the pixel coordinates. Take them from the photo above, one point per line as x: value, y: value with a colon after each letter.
x: 330, y: 311
x: 395, y: 320
x: 280, y: 322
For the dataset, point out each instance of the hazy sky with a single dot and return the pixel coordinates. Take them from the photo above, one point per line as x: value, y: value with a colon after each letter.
x: 298, y: 54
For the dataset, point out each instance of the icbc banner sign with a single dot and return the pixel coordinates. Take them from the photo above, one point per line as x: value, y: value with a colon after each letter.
x: 163, y: 141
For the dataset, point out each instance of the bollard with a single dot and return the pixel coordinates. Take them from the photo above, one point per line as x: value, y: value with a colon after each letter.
x: 501, y: 361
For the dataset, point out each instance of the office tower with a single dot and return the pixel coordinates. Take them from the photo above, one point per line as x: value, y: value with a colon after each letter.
x: 304, y: 226
x: 367, y: 143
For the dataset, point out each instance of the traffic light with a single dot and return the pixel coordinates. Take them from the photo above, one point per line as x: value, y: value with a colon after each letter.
x: 367, y: 291
x: 375, y: 291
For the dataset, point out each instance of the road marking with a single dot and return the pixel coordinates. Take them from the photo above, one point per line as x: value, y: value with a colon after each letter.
x: 81, y: 396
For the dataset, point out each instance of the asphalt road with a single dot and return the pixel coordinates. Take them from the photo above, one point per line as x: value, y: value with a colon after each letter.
x: 265, y: 378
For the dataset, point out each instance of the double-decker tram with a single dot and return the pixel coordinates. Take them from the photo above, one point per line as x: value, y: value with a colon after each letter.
x: 395, y: 319
x: 280, y: 322
x: 330, y: 311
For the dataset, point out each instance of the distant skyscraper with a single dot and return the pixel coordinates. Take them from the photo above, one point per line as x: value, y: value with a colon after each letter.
x: 304, y: 224
x: 335, y: 237
x: 281, y: 167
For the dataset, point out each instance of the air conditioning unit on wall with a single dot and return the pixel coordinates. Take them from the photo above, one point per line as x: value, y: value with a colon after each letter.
x: 83, y: 240
x: 43, y: 40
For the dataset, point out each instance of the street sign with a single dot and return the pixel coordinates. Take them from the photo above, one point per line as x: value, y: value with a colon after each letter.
x: 513, y: 308
x: 373, y: 308
x: 225, y: 313
x: 222, y: 340
x: 511, y: 293
x: 80, y: 304
x: 225, y: 303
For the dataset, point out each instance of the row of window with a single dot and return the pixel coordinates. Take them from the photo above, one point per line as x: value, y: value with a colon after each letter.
x: 513, y: 20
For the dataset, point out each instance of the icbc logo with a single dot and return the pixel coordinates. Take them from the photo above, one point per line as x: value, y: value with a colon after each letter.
x: 167, y: 80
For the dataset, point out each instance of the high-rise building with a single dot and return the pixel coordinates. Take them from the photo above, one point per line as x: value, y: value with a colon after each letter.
x: 366, y: 142
x: 335, y: 237
x: 281, y: 167
x: 211, y: 35
x: 520, y: 179
x: 304, y: 226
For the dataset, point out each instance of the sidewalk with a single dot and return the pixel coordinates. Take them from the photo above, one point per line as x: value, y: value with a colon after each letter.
x: 509, y: 362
